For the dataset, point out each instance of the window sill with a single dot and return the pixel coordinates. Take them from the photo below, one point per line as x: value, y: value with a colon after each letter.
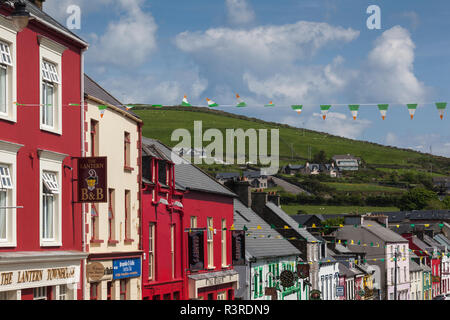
x: 128, y: 240
x: 113, y: 242
x: 7, y: 118
x: 128, y: 169
x: 211, y: 268
x: 50, y: 130
x: 7, y: 245
x: 95, y: 241
x: 51, y: 244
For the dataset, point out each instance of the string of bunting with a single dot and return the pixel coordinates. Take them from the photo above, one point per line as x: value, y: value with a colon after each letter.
x: 324, y: 109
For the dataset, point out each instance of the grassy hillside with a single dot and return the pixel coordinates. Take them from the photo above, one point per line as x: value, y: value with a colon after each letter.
x: 294, y: 142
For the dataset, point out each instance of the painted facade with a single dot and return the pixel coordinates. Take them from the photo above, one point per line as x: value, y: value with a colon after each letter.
x: 40, y: 227
x: 113, y: 228
x: 328, y: 280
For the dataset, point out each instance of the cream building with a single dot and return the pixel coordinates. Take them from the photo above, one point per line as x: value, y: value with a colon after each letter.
x: 416, y: 280
x: 113, y: 267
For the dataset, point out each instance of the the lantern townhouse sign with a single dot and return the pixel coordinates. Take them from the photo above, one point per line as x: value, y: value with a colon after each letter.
x: 92, y: 182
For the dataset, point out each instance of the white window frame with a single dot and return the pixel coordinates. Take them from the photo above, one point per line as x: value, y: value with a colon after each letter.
x: 8, y: 36
x: 51, y: 52
x: 210, y: 242
x: 224, y: 243
x: 151, y: 251
x: 42, y: 293
x: 172, y: 249
x: 8, y: 157
x: 51, y: 162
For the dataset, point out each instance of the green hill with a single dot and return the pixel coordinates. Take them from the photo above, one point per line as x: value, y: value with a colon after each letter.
x: 296, y: 145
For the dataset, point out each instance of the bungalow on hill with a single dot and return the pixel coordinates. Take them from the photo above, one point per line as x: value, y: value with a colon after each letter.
x: 311, y: 169
x: 223, y: 177
x: 347, y: 162
x: 256, y: 179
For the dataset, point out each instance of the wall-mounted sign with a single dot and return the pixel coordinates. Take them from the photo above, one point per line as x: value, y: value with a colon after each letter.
x: 303, y: 270
x: 92, y: 180
x: 315, y: 295
x: 340, y: 291
x: 126, y: 268
x: 196, y: 250
x: 99, y: 271
x: 238, y: 247
x: 271, y: 291
x: 287, y: 278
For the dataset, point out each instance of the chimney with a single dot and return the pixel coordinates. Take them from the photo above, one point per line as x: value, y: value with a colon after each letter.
x: 274, y: 197
x: 243, y: 189
x: 38, y: 3
x: 419, y: 234
x: 259, y: 200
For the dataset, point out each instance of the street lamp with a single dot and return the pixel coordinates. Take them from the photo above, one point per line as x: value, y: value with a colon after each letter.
x: 20, y: 16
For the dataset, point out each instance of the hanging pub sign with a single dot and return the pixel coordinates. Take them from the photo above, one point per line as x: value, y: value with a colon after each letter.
x: 92, y: 182
x: 196, y: 251
x: 287, y: 278
x: 303, y: 270
x: 238, y: 247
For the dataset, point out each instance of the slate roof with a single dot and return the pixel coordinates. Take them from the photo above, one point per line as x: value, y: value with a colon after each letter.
x: 295, y: 166
x: 291, y: 222
x: 422, y: 245
x: 442, y: 240
x: 302, y: 218
x: 381, y: 232
x: 187, y: 175
x: 345, y: 271
x: 227, y: 175
x: 34, y: 10
x: 253, y: 174
x: 260, y: 247
x: 430, y: 241
x: 93, y: 89
x: 414, y: 266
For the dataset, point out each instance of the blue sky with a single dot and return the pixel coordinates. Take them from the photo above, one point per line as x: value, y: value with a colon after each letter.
x: 308, y: 52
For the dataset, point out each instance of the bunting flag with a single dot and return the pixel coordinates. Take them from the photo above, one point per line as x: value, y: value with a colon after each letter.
x: 441, y: 108
x: 270, y: 104
x: 383, y: 110
x: 157, y: 105
x: 185, y: 102
x: 129, y: 106
x: 297, y: 108
x: 102, y: 110
x: 240, y: 102
x: 412, y: 110
x: 354, y: 108
x: 324, y: 109
x: 211, y: 103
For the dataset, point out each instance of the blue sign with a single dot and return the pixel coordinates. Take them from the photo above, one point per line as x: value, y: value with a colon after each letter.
x: 340, y: 291
x: 126, y: 268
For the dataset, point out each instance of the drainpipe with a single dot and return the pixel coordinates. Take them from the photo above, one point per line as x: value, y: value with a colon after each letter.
x: 83, y: 154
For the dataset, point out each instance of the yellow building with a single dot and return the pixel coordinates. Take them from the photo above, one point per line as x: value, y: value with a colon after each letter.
x: 113, y: 267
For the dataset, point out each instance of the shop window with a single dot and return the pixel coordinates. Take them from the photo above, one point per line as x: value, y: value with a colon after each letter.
x: 176, y: 295
x: 210, y: 296
x: 109, y: 285
x: 166, y: 296
x: 124, y: 289
x: 94, y: 290
x: 156, y: 297
x: 222, y: 295
x: 63, y: 295
x: 40, y: 293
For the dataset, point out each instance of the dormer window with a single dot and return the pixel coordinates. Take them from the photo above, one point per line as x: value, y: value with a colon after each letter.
x: 162, y: 172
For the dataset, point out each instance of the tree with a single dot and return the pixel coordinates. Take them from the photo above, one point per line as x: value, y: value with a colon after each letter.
x: 417, y: 199
x: 320, y: 157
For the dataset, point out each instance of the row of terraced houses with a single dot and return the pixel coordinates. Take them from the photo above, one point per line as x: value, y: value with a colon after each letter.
x: 165, y: 230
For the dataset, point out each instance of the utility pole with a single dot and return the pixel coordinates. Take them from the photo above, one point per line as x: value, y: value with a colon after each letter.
x: 396, y: 254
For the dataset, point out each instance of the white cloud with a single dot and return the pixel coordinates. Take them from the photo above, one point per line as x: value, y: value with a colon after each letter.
x: 58, y: 8
x: 390, y: 73
x: 338, y: 124
x: 128, y: 41
x: 261, y: 48
x: 154, y: 89
x: 239, y: 12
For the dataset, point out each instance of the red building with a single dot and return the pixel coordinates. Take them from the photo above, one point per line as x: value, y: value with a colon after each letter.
x: 40, y: 227
x: 431, y: 259
x: 182, y: 205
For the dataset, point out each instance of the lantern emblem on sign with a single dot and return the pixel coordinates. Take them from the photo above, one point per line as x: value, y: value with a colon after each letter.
x: 287, y: 278
x: 92, y: 180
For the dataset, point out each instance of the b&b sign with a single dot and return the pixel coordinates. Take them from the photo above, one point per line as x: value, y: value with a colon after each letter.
x: 92, y: 183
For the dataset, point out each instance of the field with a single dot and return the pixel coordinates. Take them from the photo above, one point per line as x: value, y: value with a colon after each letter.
x: 363, y: 187
x: 293, y: 209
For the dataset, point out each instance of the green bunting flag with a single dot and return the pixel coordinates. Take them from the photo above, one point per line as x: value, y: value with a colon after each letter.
x: 245, y: 228
x: 383, y: 110
x: 270, y: 104
x: 412, y: 110
x: 102, y: 110
x: 211, y: 103
x: 324, y: 109
x: 157, y: 105
x: 354, y: 108
x: 240, y: 102
x: 185, y: 102
x: 441, y: 108
x: 74, y: 104
x: 297, y: 108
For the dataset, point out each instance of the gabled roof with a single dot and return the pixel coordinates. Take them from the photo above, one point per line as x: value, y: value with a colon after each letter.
x: 422, y: 245
x: 40, y: 14
x: 187, y: 175
x: 443, y: 240
x: 93, y: 89
x: 430, y: 241
x: 414, y: 266
x: 343, y: 270
x: 381, y: 232
x: 291, y: 222
x: 304, y: 218
x: 227, y: 175
x: 263, y: 242
x: 253, y: 174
